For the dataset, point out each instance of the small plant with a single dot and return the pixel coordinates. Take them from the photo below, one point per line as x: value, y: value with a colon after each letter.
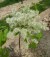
x: 28, y: 25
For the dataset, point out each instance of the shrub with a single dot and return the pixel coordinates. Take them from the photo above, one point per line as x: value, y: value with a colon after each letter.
x: 27, y: 22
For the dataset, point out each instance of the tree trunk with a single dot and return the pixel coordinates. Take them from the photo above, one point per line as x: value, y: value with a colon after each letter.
x: 19, y: 46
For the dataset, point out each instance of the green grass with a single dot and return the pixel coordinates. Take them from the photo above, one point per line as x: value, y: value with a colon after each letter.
x: 8, y: 2
x: 41, y: 6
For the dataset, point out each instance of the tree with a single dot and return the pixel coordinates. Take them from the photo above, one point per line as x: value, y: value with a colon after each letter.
x: 27, y: 24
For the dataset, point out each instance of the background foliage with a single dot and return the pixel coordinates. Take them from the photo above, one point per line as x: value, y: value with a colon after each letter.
x: 4, y: 52
x: 41, y: 6
x: 8, y: 2
x: 3, y: 31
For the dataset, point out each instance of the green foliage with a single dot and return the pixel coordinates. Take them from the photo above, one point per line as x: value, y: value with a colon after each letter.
x: 32, y: 45
x: 3, y: 31
x: 41, y: 6
x: 8, y: 2
x: 38, y: 36
x: 46, y: 3
x: 4, y: 52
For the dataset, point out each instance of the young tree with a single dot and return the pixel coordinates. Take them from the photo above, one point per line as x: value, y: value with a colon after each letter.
x: 27, y: 24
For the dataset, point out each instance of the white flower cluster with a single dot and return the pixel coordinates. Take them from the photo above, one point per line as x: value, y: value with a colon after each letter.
x: 26, y: 20
x: 23, y: 32
x: 22, y: 18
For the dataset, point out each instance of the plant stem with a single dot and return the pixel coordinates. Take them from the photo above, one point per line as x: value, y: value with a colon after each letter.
x: 19, y: 45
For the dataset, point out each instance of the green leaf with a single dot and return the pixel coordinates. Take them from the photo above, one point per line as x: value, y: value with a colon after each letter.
x: 16, y: 33
x: 38, y: 36
x: 1, y: 36
x: 25, y: 40
x: 32, y: 45
x: 5, y: 34
x: 3, y: 31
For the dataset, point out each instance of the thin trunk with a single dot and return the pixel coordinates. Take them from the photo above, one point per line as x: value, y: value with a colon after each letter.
x: 19, y: 46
